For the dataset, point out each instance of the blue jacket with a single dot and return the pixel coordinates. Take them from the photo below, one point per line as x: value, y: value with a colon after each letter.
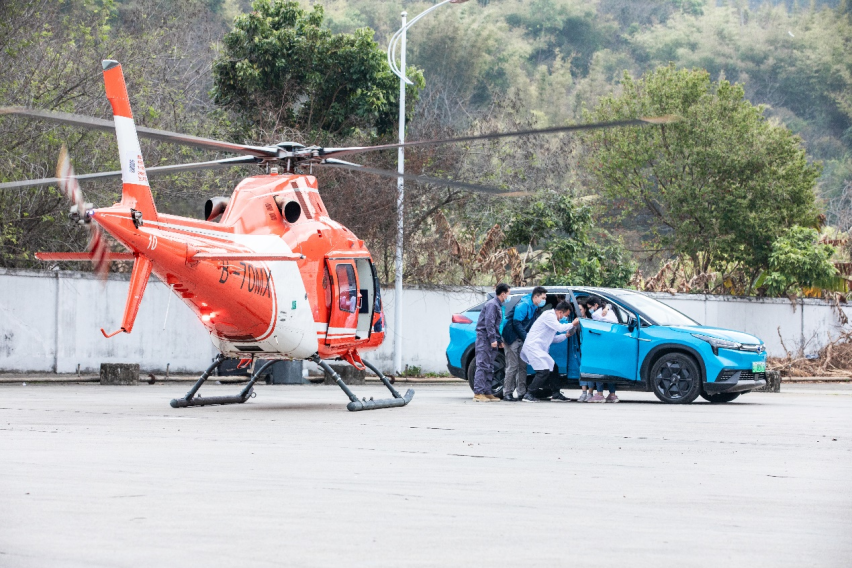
x: 522, y: 320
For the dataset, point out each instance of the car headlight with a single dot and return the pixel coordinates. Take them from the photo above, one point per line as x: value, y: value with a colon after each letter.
x: 717, y: 343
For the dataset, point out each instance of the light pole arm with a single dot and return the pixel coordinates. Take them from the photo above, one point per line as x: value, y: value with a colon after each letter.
x: 393, y: 44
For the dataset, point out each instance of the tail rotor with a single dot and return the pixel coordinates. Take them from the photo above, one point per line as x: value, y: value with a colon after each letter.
x: 81, y: 213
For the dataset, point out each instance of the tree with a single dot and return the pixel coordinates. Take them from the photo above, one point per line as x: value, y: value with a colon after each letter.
x: 798, y: 259
x: 557, y: 234
x: 51, y: 53
x: 720, y: 185
x: 281, y: 68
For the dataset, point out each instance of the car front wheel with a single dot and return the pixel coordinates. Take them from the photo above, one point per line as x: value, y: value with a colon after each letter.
x: 676, y: 379
x: 720, y: 396
x: 499, y: 374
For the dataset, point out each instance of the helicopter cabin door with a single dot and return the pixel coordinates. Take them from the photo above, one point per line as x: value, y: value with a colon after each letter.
x: 345, y: 301
x: 367, y: 293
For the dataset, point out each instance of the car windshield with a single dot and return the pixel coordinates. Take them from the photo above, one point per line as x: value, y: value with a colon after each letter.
x: 656, y: 311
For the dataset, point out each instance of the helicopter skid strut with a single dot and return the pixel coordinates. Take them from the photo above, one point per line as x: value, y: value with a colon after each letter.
x: 363, y: 404
x: 192, y: 400
x: 355, y: 404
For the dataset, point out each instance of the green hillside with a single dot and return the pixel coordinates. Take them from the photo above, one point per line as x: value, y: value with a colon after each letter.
x: 485, y: 64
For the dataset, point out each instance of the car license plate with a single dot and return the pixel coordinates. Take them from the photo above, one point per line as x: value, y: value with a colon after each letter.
x: 758, y: 367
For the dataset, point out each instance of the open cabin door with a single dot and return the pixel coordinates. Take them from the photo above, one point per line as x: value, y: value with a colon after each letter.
x: 367, y: 291
x: 345, y: 301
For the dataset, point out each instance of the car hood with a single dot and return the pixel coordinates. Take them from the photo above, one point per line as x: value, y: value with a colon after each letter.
x: 720, y: 333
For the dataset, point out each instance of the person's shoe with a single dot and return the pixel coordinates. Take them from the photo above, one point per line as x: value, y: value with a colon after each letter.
x: 598, y: 397
x: 584, y: 396
x: 530, y: 398
x: 493, y: 398
x: 509, y: 398
x: 559, y: 397
x: 612, y: 397
x: 481, y: 398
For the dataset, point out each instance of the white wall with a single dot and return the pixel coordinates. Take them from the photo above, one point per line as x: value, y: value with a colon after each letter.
x: 31, y: 304
x: 50, y: 321
x: 426, y: 316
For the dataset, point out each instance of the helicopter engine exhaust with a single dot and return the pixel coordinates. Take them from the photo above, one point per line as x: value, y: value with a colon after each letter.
x: 214, y: 207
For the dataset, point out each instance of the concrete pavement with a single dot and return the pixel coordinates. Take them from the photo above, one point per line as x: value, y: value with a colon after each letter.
x: 112, y: 476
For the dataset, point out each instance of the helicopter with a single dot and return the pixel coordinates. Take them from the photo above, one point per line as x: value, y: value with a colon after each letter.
x: 268, y: 272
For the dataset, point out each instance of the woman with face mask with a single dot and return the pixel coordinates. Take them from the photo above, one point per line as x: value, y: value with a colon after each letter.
x: 519, y: 320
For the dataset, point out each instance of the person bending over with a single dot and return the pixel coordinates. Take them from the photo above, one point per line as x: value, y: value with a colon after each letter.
x: 537, y: 346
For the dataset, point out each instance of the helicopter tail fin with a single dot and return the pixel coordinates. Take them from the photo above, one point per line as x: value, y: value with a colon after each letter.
x: 135, y: 192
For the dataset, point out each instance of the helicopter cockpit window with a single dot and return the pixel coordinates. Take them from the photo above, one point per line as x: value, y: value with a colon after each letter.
x: 347, y: 288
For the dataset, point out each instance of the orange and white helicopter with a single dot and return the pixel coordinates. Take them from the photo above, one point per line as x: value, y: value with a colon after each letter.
x: 275, y: 277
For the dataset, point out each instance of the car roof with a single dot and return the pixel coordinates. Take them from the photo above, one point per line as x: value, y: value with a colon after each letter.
x: 561, y: 289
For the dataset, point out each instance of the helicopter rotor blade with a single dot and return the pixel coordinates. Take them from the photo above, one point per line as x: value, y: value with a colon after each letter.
x: 156, y: 170
x: 153, y: 133
x: 644, y: 121
x: 55, y: 181
x: 495, y: 191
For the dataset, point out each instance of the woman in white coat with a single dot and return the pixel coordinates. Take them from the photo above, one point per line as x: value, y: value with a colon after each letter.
x: 537, y: 346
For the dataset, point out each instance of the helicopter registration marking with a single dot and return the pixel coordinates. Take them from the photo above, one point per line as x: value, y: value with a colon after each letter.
x: 254, y: 279
x: 152, y: 242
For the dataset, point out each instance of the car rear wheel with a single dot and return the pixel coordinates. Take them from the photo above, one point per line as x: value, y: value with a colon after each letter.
x: 499, y: 374
x: 720, y: 396
x: 676, y: 379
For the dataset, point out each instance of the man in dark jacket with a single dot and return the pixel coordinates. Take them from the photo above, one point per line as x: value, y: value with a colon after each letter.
x: 519, y: 320
x: 488, y: 342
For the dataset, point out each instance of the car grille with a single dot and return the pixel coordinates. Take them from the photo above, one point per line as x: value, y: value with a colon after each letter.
x: 744, y: 375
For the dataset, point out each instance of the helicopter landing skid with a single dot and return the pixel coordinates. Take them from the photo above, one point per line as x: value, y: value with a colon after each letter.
x: 363, y: 404
x: 192, y: 400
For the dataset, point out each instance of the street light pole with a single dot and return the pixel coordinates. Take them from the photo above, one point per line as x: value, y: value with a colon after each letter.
x: 399, y: 39
x: 400, y: 199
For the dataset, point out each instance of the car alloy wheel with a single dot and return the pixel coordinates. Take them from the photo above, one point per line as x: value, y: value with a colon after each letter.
x: 676, y: 379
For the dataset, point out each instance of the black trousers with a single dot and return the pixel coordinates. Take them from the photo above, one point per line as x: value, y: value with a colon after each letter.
x: 542, y: 381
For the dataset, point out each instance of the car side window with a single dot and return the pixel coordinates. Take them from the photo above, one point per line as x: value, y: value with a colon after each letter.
x: 621, y: 314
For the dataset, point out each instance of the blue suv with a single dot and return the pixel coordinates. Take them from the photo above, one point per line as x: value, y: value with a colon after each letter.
x: 653, y: 347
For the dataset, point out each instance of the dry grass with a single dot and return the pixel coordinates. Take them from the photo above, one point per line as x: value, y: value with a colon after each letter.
x: 834, y: 360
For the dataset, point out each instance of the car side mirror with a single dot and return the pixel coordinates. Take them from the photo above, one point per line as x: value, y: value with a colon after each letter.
x: 632, y: 323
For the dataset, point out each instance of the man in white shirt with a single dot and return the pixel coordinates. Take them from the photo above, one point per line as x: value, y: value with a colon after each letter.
x: 537, y: 346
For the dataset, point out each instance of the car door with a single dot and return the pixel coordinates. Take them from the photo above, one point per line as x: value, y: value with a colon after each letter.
x: 610, y: 350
